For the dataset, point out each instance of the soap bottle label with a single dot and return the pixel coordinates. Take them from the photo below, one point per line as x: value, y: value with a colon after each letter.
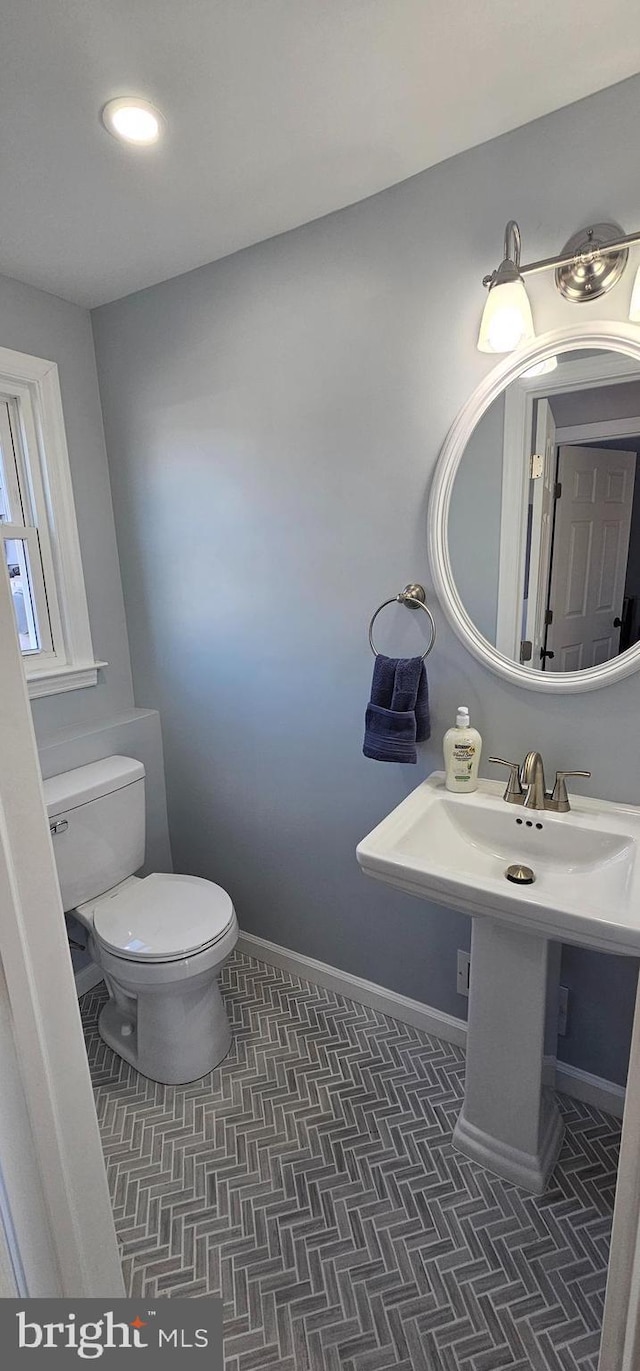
x: 462, y: 761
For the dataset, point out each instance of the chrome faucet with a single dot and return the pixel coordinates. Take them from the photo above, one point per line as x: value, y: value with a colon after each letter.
x: 526, y: 785
x: 532, y: 777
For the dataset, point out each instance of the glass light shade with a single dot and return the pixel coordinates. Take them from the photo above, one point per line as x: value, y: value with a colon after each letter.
x: 541, y: 368
x: 634, y: 307
x: 507, y: 321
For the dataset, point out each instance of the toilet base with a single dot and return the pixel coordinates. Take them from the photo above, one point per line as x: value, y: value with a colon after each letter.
x: 168, y: 1037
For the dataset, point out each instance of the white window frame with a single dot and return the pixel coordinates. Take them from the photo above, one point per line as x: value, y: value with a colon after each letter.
x: 66, y: 659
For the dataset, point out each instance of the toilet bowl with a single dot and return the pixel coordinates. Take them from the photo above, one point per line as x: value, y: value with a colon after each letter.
x: 160, y: 940
x: 161, y: 943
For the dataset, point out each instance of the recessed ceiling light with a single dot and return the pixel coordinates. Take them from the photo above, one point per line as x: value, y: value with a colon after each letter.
x: 133, y: 120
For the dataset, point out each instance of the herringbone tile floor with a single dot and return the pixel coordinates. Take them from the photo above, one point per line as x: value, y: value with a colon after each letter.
x: 311, y: 1181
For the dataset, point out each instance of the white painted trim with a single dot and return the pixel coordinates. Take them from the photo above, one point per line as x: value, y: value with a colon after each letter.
x: 401, y: 1007
x: 570, y: 1080
x: 59, y: 679
x: 87, y: 978
x: 631, y: 1354
x: 620, y: 1345
x: 516, y: 446
x: 23, y: 1210
x: 614, y: 337
x: 585, y: 373
x: 9, y: 1287
x: 35, y: 382
x: 61, y: 1125
x: 593, y: 1090
x: 598, y: 432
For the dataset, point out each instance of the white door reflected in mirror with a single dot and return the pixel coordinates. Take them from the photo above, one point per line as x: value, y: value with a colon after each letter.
x: 593, y: 594
x: 535, y: 513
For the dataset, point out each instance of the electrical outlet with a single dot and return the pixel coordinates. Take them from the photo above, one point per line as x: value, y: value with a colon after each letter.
x: 464, y: 972
x: 563, y: 1011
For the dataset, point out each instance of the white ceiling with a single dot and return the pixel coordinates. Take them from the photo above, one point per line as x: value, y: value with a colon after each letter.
x: 278, y: 111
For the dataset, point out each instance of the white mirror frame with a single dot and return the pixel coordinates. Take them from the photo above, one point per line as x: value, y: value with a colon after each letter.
x: 612, y: 337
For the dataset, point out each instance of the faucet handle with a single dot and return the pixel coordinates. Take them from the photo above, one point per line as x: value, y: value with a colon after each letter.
x: 514, y: 792
x: 559, y: 797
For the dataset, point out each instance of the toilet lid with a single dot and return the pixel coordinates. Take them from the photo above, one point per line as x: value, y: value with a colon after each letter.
x: 162, y: 918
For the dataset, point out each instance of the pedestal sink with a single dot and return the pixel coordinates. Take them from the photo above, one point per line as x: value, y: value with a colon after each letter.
x: 455, y: 850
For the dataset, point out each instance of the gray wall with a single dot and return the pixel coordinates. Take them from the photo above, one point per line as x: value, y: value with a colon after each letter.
x: 273, y: 422
x: 598, y: 405
x: 83, y: 725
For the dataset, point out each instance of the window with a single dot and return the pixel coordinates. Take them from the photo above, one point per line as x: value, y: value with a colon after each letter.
x: 38, y: 529
x: 22, y: 547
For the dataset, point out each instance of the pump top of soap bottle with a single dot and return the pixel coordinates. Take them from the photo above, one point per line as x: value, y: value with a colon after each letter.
x: 462, y: 717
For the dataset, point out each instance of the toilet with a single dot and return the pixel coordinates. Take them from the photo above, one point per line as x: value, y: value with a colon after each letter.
x: 161, y: 941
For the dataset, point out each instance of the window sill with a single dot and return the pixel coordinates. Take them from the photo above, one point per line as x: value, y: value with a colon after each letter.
x: 61, y: 678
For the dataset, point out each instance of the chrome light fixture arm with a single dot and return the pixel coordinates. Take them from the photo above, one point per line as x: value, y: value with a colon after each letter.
x: 509, y: 269
x: 584, y: 249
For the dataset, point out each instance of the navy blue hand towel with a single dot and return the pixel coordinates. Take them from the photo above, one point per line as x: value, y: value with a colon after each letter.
x: 398, y: 712
x: 411, y: 691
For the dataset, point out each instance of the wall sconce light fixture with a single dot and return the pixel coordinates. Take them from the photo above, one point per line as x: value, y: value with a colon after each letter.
x: 589, y: 265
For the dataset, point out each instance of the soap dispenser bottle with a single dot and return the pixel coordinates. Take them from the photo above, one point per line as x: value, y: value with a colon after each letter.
x: 462, y: 749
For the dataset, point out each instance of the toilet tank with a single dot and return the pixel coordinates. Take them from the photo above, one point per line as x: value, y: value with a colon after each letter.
x: 97, y: 820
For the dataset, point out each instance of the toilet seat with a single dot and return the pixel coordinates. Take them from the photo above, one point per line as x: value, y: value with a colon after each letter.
x: 161, y: 918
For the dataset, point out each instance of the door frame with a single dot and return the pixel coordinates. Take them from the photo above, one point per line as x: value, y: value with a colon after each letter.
x: 520, y: 396
x: 620, y: 1345
x: 10, y: 1263
x: 582, y: 435
x: 62, y: 1153
x: 540, y: 535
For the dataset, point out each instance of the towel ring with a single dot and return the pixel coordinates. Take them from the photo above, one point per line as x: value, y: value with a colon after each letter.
x: 413, y: 597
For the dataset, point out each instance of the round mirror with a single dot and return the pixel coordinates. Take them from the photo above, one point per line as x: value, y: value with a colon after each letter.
x: 535, y: 513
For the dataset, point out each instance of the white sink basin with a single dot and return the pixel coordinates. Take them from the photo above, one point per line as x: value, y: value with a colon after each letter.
x: 454, y: 849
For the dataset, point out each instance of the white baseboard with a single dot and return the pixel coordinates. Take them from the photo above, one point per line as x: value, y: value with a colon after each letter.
x: 444, y: 1026
x: 87, y: 978
x: 593, y: 1090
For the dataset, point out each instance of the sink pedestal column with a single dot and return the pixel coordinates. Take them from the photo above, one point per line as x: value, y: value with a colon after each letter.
x: 508, y: 1122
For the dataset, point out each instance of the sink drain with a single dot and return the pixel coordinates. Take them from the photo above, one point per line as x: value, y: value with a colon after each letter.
x: 519, y: 874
